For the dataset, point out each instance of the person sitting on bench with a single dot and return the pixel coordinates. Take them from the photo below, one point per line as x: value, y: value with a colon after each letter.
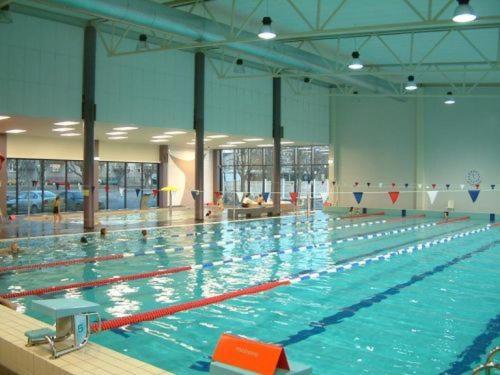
x: 353, y: 211
x: 247, y: 202
x: 260, y: 200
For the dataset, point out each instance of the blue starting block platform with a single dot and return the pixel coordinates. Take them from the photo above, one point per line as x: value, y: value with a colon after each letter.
x: 72, y: 319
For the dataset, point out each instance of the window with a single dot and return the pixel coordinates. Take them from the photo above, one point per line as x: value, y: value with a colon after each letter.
x: 303, y: 170
x: 47, y: 179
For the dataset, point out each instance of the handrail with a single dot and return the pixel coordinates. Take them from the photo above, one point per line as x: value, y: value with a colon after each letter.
x: 489, y: 364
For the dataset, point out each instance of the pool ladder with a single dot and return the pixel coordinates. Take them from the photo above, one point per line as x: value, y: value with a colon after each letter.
x: 489, y: 364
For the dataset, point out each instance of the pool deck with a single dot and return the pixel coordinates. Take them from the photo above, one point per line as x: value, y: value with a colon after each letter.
x: 93, y: 359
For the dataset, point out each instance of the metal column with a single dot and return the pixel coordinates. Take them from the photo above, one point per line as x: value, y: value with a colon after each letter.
x: 163, y: 176
x: 277, y: 135
x: 199, y: 127
x: 88, y: 106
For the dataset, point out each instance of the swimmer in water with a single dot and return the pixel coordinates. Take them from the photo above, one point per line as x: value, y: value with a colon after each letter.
x: 13, y: 250
x: 144, y: 233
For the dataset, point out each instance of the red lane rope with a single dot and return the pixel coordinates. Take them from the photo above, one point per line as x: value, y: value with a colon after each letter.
x: 463, y: 218
x: 59, y: 263
x: 380, y: 213
x: 100, y: 282
x: 170, y: 310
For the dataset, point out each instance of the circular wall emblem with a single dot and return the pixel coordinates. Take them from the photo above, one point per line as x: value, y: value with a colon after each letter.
x: 473, y: 177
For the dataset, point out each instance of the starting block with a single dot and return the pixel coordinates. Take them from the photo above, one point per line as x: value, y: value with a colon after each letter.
x: 72, y: 317
x: 236, y: 355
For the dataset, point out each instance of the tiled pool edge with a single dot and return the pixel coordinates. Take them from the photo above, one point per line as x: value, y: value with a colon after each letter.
x: 93, y: 359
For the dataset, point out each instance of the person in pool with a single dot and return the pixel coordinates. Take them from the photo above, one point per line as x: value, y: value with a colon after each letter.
x: 144, y: 233
x: 5, y: 302
x: 13, y: 250
x: 83, y: 240
x: 104, y: 232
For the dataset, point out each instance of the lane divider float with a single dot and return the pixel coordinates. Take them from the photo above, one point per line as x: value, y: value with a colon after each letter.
x: 225, y: 261
x: 185, y: 306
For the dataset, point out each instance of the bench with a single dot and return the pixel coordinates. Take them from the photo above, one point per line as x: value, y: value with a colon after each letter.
x: 249, y: 212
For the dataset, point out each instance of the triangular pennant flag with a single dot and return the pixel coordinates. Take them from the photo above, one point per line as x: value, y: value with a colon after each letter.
x: 137, y: 191
x: 121, y: 191
x: 462, y: 186
x: 2, y: 159
x: 368, y: 184
x: 419, y: 186
x: 492, y: 187
x: 432, y: 195
x: 474, y: 194
x: 265, y: 195
x: 447, y: 186
x: 433, y: 186
x: 333, y: 183
x: 239, y: 196
x: 394, y: 196
x: 155, y: 193
x: 406, y: 185
x: 358, y: 195
x: 380, y: 184
x: 195, y: 193
x: 293, y: 196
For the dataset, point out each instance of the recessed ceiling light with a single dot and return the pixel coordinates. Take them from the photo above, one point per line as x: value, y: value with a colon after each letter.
x: 63, y: 129
x: 191, y: 143
x: 236, y: 143
x: 116, y: 133
x: 15, y: 131
x: 253, y: 139
x: 161, y: 136
x: 70, y: 134
x: 4, y: 117
x: 175, y: 132
x: 217, y: 136
x: 117, y: 138
x: 227, y: 146
x: 159, y: 140
x: 66, y: 123
x: 287, y: 142
x: 266, y: 145
x: 126, y: 128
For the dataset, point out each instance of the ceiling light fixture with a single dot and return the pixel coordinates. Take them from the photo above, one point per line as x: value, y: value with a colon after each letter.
x: 449, y: 98
x: 161, y: 136
x: 4, y: 117
x: 356, y: 63
x: 116, y: 133
x: 126, y: 128
x: 464, y: 12
x: 287, y: 142
x: 66, y: 123
x: 225, y: 146
x: 239, y: 68
x: 70, y: 134
x: 236, y: 143
x: 159, y: 140
x: 191, y: 143
x: 117, y: 138
x: 63, y: 129
x: 411, y: 84
x: 217, y: 136
x: 253, y: 139
x: 175, y: 132
x: 142, y: 44
x: 15, y: 131
x: 266, y: 30
x: 266, y: 145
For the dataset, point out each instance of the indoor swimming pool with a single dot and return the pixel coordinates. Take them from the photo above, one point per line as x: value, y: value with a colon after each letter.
x: 377, y: 294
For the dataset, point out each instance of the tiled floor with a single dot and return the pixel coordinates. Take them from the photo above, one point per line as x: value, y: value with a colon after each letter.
x: 92, y: 359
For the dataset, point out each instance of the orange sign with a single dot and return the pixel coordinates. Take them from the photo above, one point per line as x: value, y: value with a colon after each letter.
x: 250, y: 355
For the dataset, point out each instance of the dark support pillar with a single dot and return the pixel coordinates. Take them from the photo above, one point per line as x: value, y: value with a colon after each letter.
x: 216, y: 173
x: 163, y: 176
x: 88, y: 105
x: 96, y: 175
x: 277, y: 134
x: 3, y: 175
x: 199, y: 127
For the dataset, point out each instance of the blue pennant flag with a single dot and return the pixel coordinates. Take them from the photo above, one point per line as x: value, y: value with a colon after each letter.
x: 265, y: 196
x: 194, y: 193
x: 137, y: 191
x: 358, y: 195
x: 473, y: 194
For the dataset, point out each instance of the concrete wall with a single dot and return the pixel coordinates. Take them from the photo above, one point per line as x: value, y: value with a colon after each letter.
x: 419, y: 142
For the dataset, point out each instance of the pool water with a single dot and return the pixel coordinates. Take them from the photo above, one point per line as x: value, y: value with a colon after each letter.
x: 434, y: 311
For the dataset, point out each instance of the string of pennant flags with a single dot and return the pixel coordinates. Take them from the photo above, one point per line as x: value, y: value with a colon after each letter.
x: 432, y: 194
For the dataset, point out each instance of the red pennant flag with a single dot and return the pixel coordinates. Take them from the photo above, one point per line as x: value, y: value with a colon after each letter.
x: 2, y: 159
x: 394, y: 196
x: 155, y: 192
x: 434, y: 186
x: 293, y: 196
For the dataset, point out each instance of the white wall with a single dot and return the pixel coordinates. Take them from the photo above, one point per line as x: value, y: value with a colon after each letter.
x: 417, y: 142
